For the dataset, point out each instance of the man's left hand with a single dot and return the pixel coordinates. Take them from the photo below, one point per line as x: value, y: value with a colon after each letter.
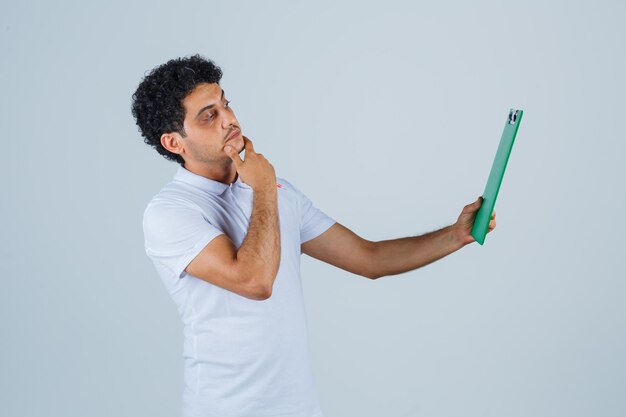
x: 465, y: 223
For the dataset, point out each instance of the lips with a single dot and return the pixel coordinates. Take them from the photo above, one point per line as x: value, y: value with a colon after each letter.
x: 234, y: 135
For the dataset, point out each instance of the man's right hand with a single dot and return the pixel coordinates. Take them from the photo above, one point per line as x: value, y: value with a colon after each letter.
x: 256, y: 171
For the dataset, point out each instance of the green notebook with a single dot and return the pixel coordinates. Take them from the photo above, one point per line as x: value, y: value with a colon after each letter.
x: 481, y: 223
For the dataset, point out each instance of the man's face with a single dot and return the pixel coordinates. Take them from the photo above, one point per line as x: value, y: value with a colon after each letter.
x: 209, y: 123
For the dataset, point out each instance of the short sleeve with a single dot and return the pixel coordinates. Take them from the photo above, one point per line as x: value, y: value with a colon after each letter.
x: 313, y: 221
x: 175, y: 234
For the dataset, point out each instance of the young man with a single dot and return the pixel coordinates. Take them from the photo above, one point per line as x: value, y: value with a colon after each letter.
x: 226, y: 236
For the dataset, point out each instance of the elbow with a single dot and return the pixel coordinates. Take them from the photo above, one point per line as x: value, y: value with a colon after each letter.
x: 372, y: 271
x: 372, y: 275
x: 264, y: 292
x: 268, y: 285
x: 265, y: 295
x: 263, y: 289
x: 256, y: 283
x: 259, y: 291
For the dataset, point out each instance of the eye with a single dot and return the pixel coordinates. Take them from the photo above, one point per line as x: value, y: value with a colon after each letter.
x: 227, y: 105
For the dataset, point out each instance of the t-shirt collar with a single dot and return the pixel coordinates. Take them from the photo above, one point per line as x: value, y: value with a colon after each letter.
x: 209, y: 185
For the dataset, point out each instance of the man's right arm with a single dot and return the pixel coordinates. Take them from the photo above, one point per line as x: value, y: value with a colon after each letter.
x: 251, y: 270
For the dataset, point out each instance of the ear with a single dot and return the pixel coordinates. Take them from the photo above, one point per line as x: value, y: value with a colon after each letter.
x: 172, y: 142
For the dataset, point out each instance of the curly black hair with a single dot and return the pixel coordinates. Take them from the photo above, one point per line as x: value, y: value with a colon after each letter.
x: 158, y: 101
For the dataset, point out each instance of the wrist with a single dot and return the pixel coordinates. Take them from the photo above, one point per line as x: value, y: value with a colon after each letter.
x: 266, y: 188
x: 456, y: 236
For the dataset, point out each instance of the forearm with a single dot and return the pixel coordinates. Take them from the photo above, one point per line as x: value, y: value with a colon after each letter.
x: 260, y: 249
x: 396, y: 256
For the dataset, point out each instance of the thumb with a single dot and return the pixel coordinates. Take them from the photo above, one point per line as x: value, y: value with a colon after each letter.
x: 232, y: 153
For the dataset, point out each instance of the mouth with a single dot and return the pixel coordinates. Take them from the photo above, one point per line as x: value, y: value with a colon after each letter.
x: 234, y: 135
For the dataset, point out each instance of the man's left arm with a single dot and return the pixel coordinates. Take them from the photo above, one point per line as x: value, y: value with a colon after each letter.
x: 341, y: 247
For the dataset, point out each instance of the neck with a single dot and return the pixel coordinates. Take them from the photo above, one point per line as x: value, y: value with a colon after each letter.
x: 226, y: 173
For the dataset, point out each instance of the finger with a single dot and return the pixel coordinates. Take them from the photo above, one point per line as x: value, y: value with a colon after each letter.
x: 475, y: 205
x: 234, y: 155
x: 247, y: 144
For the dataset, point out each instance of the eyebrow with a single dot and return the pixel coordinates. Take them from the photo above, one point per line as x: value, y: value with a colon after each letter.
x: 210, y: 106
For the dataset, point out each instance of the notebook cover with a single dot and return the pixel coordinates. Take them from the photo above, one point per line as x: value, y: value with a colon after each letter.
x: 481, y: 222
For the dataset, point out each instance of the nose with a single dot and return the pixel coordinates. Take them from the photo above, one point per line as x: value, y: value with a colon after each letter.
x: 229, y: 119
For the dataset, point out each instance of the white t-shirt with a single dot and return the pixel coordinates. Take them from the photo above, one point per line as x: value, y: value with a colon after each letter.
x: 242, y: 357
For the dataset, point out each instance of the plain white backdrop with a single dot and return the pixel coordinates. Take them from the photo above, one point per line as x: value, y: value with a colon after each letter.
x: 387, y: 115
